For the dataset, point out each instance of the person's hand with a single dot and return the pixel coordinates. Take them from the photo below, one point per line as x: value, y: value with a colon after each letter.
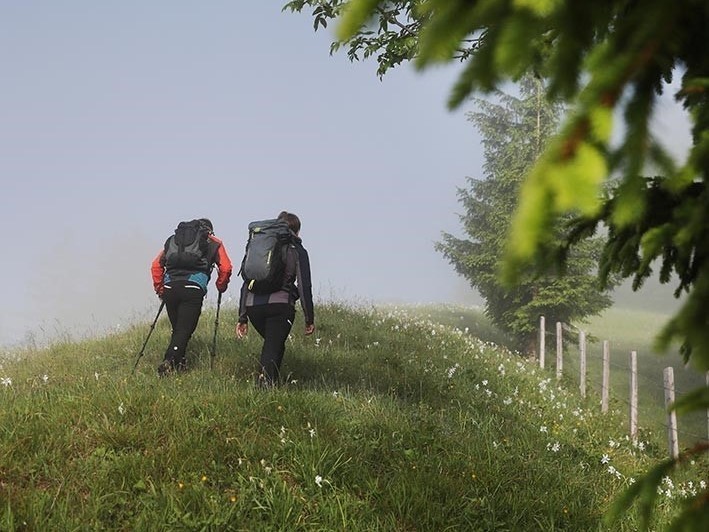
x: 309, y: 329
x: 242, y: 329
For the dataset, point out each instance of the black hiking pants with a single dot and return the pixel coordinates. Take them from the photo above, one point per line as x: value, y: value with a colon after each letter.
x: 184, y: 306
x: 273, y: 321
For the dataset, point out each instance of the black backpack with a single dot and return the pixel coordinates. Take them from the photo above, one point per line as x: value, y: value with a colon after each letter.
x: 188, y: 248
x: 263, y: 265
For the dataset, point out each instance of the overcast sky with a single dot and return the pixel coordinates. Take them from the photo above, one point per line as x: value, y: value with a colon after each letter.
x: 119, y: 119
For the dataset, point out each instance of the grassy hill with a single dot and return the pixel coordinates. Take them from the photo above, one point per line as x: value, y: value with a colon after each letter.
x: 390, y: 420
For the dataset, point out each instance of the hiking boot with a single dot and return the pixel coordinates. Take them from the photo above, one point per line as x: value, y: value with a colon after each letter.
x: 165, y: 368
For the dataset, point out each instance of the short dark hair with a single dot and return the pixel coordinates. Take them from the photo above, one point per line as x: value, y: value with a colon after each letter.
x: 292, y: 220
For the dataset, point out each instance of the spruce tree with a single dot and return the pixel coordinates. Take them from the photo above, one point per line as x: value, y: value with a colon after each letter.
x: 514, y: 132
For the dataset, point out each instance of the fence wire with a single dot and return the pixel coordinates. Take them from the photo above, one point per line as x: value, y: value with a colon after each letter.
x: 646, y: 382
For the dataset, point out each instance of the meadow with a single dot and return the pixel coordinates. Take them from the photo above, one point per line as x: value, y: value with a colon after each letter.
x: 390, y: 419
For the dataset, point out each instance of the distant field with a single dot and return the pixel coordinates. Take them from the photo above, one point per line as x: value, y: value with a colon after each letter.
x: 631, y: 328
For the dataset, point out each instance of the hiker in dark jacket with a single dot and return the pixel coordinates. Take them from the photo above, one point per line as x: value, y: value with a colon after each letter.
x: 183, y: 291
x: 272, y: 314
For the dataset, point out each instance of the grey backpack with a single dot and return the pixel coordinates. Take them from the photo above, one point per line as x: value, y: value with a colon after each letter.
x: 263, y: 265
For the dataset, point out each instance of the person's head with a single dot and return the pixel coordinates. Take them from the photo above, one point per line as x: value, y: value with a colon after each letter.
x: 292, y: 220
x: 206, y: 222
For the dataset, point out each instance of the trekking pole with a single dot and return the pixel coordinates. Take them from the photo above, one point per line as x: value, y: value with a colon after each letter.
x: 214, y: 339
x: 162, y: 304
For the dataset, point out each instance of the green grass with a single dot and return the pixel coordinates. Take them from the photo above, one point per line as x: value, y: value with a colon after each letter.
x: 390, y: 420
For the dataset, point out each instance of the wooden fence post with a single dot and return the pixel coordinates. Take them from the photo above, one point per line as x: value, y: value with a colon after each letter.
x: 542, y: 338
x: 669, y: 380
x: 634, y: 396
x: 582, y: 363
x: 559, y: 352
x: 605, y: 387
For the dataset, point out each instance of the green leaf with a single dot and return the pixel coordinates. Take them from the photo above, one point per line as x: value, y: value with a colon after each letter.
x: 693, y: 401
x: 354, y: 16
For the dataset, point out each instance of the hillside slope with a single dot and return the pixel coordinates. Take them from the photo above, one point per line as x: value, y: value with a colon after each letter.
x: 387, y: 422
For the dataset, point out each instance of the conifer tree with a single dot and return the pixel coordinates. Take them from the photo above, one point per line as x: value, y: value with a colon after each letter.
x: 514, y: 132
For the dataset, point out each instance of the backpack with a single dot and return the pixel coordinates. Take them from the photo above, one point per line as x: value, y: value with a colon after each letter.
x: 263, y: 265
x: 188, y: 248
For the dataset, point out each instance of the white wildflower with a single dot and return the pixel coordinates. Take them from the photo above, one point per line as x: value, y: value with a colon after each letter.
x: 267, y: 469
x: 121, y: 409
x: 605, y: 459
x: 318, y: 481
x: 6, y: 381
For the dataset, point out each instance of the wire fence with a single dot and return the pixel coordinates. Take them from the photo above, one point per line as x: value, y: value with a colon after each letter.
x: 640, y: 386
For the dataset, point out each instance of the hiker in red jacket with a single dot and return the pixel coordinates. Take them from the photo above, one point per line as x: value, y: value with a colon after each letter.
x: 181, y: 272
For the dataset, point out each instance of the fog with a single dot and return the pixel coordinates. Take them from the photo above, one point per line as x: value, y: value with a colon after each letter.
x: 121, y: 119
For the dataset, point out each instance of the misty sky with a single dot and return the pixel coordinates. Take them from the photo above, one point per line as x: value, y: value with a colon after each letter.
x: 119, y: 119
